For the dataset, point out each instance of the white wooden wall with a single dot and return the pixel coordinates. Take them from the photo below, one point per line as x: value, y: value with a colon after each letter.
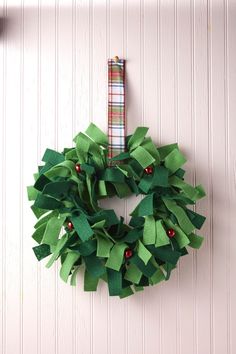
x: 181, y: 73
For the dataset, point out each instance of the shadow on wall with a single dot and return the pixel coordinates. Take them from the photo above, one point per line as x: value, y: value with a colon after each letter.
x: 12, y: 16
x: 3, y: 25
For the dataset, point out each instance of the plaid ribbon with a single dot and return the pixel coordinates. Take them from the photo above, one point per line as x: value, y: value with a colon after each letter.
x: 116, y: 107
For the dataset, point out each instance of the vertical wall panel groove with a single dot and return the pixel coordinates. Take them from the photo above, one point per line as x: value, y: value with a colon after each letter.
x: 3, y: 186
x: 38, y: 161
x: 227, y: 167
x: 21, y: 228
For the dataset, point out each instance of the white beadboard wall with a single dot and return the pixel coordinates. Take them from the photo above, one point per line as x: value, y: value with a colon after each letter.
x: 181, y: 82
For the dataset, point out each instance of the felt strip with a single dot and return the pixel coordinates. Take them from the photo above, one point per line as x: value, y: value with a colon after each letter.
x: 102, y: 189
x: 82, y: 227
x: 122, y: 190
x: 94, y: 266
x: 53, y: 157
x: 160, y: 177
x: 90, y: 282
x: 145, y: 207
x: 60, y: 244
x: 132, y: 236
x: 38, y: 212
x: 74, y: 276
x: 57, y: 190
x: 103, y: 246
x: 143, y: 253
x: 174, y: 160
x: 195, y: 240
x: 32, y: 193
x: 87, y: 248
x: 180, y: 236
x: 133, y: 274
x: 41, y: 251
x: 149, y: 146
x: 47, y: 203
x: 168, y: 267
x: 142, y: 156
x: 180, y: 215
x: 125, y: 292
x: 166, y: 150
x: 149, y: 231
x: 137, y: 138
x: 146, y: 183
x: 67, y: 265
x: 114, y: 279
x: 165, y: 253
x: 116, y: 256
x: 148, y: 270
x: 39, y: 232
x: 161, y: 237
x: 157, y: 277
x: 196, y: 219
x: 52, y: 230
x: 97, y: 135
x: 45, y: 218
x: 201, y: 192
x: 188, y: 190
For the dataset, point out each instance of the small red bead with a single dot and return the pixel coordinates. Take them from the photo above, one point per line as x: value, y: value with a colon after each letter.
x: 78, y: 168
x: 128, y: 253
x: 70, y: 225
x: 171, y: 232
x: 148, y: 170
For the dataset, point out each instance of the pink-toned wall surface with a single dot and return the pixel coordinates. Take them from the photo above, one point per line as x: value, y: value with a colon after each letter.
x: 181, y: 82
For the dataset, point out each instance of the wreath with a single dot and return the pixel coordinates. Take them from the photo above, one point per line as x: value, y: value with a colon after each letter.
x: 67, y: 193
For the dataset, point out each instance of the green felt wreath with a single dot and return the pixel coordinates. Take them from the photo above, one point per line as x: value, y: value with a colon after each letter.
x: 66, y: 195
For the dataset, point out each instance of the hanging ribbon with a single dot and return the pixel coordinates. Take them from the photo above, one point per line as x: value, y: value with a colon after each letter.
x: 116, y: 106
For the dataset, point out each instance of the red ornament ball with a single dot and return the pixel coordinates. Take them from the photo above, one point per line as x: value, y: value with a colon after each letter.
x: 171, y: 233
x: 148, y: 170
x: 78, y: 168
x: 70, y: 225
x: 128, y: 253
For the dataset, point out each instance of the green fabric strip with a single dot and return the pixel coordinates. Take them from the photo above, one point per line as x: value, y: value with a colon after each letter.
x: 116, y: 256
x: 52, y: 230
x: 41, y: 251
x: 133, y: 274
x: 114, y: 279
x: 82, y: 227
x: 103, y: 246
x: 137, y: 138
x: 180, y: 236
x: 160, y: 177
x: 90, y: 282
x: 143, y: 253
x: 67, y: 265
x: 161, y: 238
x: 149, y: 231
x: 97, y: 135
x: 60, y: 244
x: 174, y: 160
x: 142, y: 156
x: 180, y: 215
x: 94, y: 266
x: 157, y: 277
x: 166, y: 150
x: 195, y: 240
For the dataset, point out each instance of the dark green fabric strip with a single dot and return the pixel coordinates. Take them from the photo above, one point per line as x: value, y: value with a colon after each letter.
x: 114, y: 279
x: 90, y: 282
x: 82, y: 227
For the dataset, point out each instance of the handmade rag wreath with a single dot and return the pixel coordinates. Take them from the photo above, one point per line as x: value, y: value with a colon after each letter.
x: 128, y: 257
